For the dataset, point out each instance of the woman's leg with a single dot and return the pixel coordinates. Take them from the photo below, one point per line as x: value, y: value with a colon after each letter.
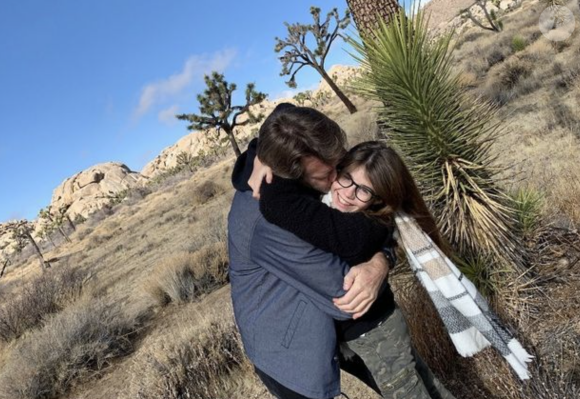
x: 390, y: 357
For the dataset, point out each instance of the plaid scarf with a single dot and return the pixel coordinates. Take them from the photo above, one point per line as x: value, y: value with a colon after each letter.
x: 470, y: 323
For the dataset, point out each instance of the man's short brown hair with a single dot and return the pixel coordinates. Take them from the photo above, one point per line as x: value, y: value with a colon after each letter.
x: 291, y: 133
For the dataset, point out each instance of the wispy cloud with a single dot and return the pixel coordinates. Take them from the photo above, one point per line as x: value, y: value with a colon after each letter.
x: 289, y: 93
x: 194, y: 68
x: 167, y: 115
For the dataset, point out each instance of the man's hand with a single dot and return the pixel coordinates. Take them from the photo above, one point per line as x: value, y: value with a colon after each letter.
x: 362, y: 284
x: 258, y: 173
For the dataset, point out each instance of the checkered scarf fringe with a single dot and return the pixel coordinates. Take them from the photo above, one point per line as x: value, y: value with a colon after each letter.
x: 470, y: 322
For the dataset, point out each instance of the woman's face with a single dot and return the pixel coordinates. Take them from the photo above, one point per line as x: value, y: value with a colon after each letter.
x: 352, y: 198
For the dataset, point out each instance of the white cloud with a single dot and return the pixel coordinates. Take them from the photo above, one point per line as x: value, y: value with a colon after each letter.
x: 290, y: 93
x: 167, y: 115
x: 195, y: 67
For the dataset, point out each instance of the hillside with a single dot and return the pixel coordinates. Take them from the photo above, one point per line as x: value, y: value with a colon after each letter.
x: 137, y: 305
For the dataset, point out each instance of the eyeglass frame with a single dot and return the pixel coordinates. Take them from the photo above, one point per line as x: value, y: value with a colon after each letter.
x: 357, y: 187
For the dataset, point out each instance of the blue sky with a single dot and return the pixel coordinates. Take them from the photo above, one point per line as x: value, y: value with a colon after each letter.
x: 84, y: 82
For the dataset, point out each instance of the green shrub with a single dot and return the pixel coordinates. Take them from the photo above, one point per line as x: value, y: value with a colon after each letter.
x: 518, y: 43
x: 529, y: 203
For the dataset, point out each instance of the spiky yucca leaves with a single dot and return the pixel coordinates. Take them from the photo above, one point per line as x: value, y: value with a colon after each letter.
x: 444, y: 135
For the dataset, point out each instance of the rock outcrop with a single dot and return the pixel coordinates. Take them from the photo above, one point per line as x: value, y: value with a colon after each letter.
x: 89, y: 190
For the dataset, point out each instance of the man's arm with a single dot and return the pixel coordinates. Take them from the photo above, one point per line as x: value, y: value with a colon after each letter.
x: 317, y: 274
x: 362, y: 284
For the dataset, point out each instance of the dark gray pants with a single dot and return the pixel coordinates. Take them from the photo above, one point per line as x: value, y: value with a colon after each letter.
x: 398, y: 371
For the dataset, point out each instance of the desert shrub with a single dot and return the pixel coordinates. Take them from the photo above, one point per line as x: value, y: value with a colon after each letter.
x: 467, y: 38
x: 514, y: 70
x: 79, y: 219
x: 528, y: 204
x: 98, y: 216
x: 82, y: 233
x: 186, y: 277
x: 198, y: 368
x: 567, y: 78
x: 73, y: 345
x: 97, y: 240
x: 39, y: 298
x: 206, y: 191
x: 495, y: 57
x: 518, y: 43
x: 562, y: 115
x: 209, y: 230
x: 136, y: 194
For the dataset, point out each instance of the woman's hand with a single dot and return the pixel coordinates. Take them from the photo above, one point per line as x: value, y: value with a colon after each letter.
x: 362, y: 284
x: 259, y: 172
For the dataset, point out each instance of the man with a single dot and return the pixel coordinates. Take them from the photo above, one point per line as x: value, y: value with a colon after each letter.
x: 282, y: 287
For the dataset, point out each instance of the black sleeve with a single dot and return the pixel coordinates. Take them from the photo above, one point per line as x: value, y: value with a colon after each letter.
x: 354, y: 237
x: 244, y: 167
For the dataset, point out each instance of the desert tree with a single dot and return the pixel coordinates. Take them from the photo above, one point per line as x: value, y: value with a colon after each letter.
x: 444, y: 134
x: 216, y: 109
x: 53, y: 220
x: 21, y: 234
x: 62, y: 215
x: 5, y: 260
x: 367, y: 14
x: 297, y: 52
x: 491, y: 20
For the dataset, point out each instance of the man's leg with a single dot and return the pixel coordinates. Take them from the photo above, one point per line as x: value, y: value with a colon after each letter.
x: 390, y: 357
x: 277, y: 389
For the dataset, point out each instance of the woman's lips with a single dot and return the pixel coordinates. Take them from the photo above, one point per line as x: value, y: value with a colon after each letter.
x: 341, y: 201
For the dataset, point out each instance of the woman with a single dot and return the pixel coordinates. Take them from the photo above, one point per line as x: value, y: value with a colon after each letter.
x: 372, y: 185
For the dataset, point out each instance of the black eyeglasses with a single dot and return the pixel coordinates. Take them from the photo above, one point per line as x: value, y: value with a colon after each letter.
x: 362, y: 193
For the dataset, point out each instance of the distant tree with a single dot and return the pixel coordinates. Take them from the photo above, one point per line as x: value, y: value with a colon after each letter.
x: 367, y: 14
x: 216, y: 109
x: 21, y: 234
x: 62, y: 215
x: 493, y: 22
x: 45, y: 233
x: 302, y: 97
x: 297, y: 53
x: 53, y: 220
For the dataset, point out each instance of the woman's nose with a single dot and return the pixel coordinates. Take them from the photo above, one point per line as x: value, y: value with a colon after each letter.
x: 350, y: 192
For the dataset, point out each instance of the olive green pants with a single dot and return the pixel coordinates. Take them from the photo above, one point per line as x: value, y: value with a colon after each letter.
x: 396, y: 368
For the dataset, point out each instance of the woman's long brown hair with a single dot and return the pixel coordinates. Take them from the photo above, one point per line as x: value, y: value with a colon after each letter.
x: 393, y: 184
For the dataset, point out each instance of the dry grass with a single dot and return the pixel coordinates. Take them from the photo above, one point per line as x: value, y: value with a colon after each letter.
x: 186, y: 277
x: 199, y: 367
x: 44, y: 295
x: 73, y: 346
x: 206, y: 191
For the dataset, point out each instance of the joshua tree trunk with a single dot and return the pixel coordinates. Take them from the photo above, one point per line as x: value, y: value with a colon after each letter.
x: 4, y: 266
x: 233, y: 142
x: 351, y: 107
x: 366, y: 14
x: 44, y: 263
x: 70, y: 222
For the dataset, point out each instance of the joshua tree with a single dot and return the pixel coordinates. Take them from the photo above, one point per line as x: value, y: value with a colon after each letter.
x: 216, y: 109
x: 367, y: 14
x: 493, y: 22
x: 62, y: 214
x: 297, y: 53
x: 444, y: 134
x: 53, y: 220
x: 21, y: 233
